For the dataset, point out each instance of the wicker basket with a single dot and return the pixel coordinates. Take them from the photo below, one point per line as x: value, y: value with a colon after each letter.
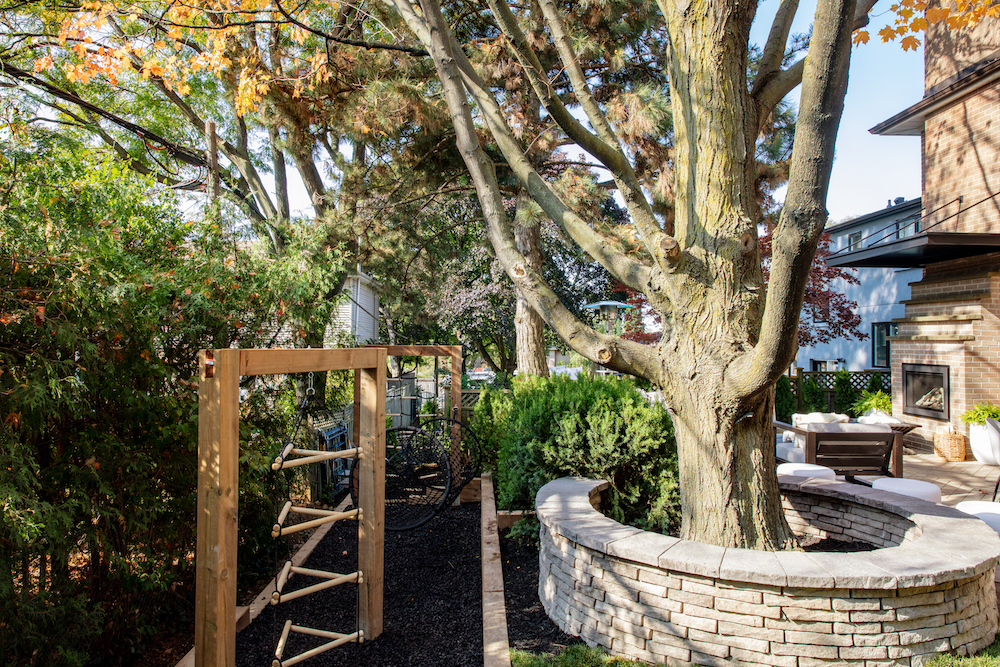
x: 949, y: 446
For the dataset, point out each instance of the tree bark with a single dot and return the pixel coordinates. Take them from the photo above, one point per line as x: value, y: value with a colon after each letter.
x: 713, y: 364
x: 529, y: 329
x: 395, y: 370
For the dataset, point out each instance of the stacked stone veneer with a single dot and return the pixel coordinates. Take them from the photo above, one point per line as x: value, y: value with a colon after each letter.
x: 661, y: 599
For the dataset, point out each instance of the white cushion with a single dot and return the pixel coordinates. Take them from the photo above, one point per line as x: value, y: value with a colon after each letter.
x: 909, y: 487
x: 789, y: 452
x: 834, y: 427
x: 800, y: 420
x: 806, y: 470
x: 849, y: 428
x: 879, y: 419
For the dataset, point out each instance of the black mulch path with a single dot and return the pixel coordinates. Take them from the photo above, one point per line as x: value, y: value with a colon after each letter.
x: 432, y: 613
x: 528, y: 628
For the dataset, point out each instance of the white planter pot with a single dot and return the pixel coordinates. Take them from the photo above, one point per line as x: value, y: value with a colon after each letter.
x: 985, y: 444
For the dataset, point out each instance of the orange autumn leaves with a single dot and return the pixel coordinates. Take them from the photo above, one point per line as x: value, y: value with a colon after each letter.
x: 171, y: 44
x: 912, y: 17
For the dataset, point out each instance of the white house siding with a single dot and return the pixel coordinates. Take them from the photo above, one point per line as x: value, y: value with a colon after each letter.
x: 877, y: 296
x: 357, y: 316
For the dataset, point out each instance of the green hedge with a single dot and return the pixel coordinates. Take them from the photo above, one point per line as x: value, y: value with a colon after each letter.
x: 601, y: 429
x: 784, y: 399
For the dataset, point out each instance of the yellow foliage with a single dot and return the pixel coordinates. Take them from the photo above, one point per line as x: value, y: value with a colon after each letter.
x: 914, y: 16
x: 45, y: 63
x: 860, y: 37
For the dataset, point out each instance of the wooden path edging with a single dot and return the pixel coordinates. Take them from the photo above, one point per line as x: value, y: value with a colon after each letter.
x: 496, y: 646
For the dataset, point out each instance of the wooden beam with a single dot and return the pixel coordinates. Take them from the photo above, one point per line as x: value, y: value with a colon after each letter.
x: 276, y: 362
x: 370, y: 428
x: 218, y: 496
x: 422, y: 350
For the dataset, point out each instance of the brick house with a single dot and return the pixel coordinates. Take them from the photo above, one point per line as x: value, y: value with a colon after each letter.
x: 946, y: 352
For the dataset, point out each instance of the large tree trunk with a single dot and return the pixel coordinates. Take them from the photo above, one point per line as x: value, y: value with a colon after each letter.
x: 724, y: 344
x: 529, y: 328
x: 729, y: 492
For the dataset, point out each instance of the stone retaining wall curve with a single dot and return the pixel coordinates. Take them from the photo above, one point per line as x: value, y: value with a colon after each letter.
x: 929, y: 588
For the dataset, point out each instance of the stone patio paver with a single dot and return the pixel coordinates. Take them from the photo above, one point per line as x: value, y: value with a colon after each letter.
x: 959, y: 480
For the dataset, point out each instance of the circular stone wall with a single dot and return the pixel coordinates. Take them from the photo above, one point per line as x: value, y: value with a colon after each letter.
x: 928, y: 590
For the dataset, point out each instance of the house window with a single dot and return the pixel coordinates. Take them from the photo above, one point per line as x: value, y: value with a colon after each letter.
x: 880, y: 343
x: 820, y: 313
x: 907, y: 227
x: 817, y: 365
x: 854, y: 241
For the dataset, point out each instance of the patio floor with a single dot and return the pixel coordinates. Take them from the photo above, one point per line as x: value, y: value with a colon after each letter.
x: 962, y: 480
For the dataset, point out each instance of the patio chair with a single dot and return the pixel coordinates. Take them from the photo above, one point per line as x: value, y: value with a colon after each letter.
x: 849, y: 449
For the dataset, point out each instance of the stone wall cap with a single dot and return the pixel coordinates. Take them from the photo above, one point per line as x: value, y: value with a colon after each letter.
x: 755, y: 567
x: 949, y: 545
x: 694, y: 557
x: 567, y: 492
x: 643, y: 547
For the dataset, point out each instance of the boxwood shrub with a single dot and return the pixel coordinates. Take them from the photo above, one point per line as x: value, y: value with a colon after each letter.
x: 601, y: 429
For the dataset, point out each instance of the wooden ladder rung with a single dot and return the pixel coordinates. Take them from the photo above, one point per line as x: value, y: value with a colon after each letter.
x: 332, y: 579
x: 277, y: 530
x: 337, y: 637
x: 312, y: 456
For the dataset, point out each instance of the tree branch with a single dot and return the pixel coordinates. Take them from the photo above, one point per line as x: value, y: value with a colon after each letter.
x: 774, y: 50
x: 804, y: 213
x: 770, y: 88
x: 418, y: 53
x: 608, y: 350
x: 604, y: 145
x: 628, y: 271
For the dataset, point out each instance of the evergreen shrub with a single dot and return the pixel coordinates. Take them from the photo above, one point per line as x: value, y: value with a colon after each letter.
x: 489, y: 423
x: 601, y: 429
x: 784, y: 399
x: 877, y: 382
x: 106, y: 299
x: 812, y: 396
x: 844, y: 395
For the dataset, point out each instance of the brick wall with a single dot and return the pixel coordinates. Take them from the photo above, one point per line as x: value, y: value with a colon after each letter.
x: 657, y: 598
x: 961, y: 152
x: 948, y: 52
x: 974, y: 360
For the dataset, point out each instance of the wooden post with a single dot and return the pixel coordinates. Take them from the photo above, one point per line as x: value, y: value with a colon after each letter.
x: 369, y: 428
x: 218, y: 497
x: 800, y: 400
x: 897, y: 454
x: 456, y: 382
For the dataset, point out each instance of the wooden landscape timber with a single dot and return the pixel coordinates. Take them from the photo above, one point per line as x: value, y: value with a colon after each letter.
x: 218, y: 484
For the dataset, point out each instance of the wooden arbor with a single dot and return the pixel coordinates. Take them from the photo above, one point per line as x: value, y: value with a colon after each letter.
x: 218, y: 482
x: 453, y: 351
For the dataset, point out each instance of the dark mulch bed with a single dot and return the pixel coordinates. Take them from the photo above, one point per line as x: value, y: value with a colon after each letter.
x: 528, y: 628
x: 830, y: 544
x: 432, y: 613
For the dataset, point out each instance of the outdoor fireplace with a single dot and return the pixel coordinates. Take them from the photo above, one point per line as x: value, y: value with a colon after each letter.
x: 925, y: 391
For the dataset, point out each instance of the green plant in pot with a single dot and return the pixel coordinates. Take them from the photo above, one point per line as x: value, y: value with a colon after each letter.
x: 983, y: 439
x: 872, y: 403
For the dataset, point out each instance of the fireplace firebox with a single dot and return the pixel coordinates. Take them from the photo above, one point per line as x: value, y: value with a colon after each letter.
x: 925, y: 391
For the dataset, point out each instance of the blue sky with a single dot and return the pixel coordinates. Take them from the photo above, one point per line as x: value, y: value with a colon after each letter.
x: 868, y: 170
